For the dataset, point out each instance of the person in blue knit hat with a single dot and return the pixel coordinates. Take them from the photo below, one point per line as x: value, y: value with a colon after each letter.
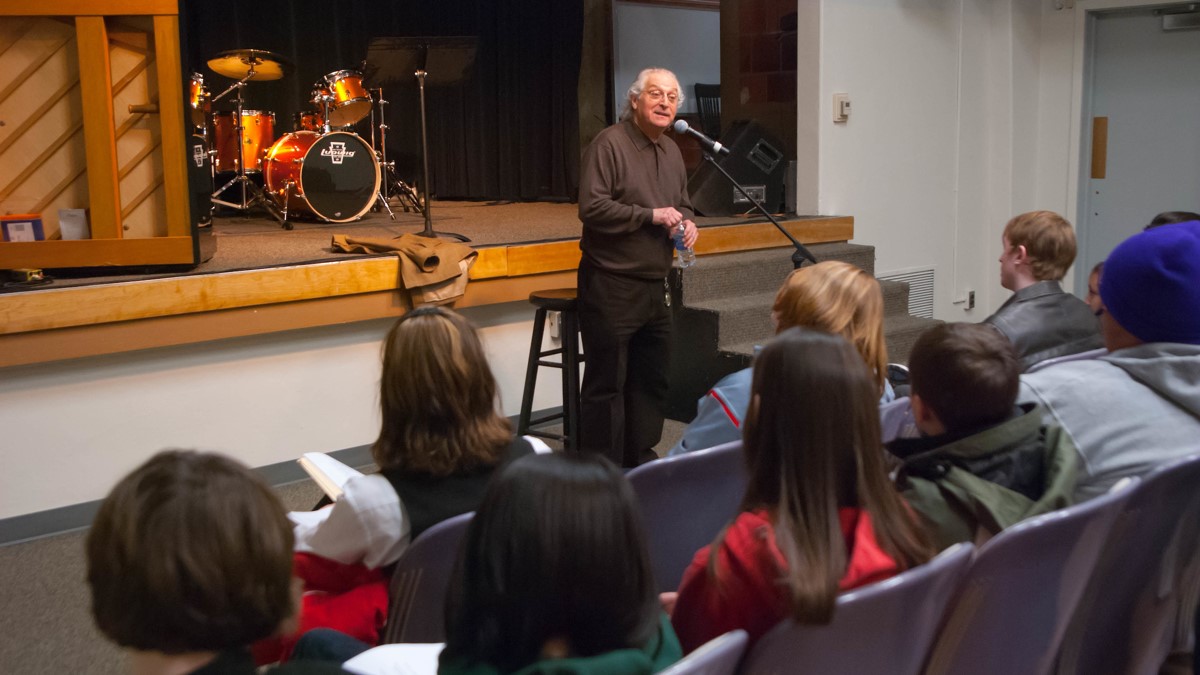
x: 1139, y: 405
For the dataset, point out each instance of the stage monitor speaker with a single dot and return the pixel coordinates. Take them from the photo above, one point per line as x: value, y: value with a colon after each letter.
x: 756, y: 160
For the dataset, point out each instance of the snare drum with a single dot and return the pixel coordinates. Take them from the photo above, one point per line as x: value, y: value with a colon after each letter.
x: 332, y: 176
x: 307, y: 121
x: 257, y: 135
x: 351, y: 102
x: 199, y: 100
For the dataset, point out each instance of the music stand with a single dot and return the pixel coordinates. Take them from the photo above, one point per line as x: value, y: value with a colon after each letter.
x: 436, y: 59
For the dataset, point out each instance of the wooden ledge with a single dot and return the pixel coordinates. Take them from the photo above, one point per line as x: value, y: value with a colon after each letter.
x: 64, y: 323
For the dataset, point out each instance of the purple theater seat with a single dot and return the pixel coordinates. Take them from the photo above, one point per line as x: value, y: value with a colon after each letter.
x: 1019, y: 593
x: 1144, y: 588
x: 685, y: 501
x: 887, y: 627
x: 417, y: 591
x: 718, y: 656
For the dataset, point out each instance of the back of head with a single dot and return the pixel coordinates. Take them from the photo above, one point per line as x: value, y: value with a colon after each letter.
x: 556, y: 550
x: 812, y: 446
x: 1151, y: 284
x: 1172, y: 217
x: 968, y: 373
x: 437, y: 397
x: 190, y: 552
x: 1048, y: 239
x: 837, y: 297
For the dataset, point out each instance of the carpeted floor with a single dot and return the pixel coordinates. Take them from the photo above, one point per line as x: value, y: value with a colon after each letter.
x: 45, y: 618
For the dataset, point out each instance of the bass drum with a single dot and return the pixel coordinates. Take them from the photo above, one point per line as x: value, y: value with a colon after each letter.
x: 333, y: 176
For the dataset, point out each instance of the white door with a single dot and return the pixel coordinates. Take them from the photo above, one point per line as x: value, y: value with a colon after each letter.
x: 1146, y: 81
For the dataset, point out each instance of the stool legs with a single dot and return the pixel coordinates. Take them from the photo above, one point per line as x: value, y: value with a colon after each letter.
x: 571, y: 359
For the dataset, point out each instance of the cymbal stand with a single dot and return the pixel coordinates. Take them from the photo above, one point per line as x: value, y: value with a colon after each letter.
x: 391, y: 181
x: 248, y: 186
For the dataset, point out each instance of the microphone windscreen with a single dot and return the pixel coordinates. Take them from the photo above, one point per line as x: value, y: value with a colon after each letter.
x: 681, y: 127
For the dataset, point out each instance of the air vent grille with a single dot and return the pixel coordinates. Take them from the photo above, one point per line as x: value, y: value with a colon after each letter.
x: 920, y: 289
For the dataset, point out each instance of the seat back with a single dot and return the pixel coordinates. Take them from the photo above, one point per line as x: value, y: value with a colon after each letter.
x: 1019, y: 593
x: 417, y: 592
x: 886, y: 627
x: 718, y: 656
x: 708, y: 102
x: 684, y: 502
x: 1145, y: 579
x: 896, y: 420
x: 1081, y: 356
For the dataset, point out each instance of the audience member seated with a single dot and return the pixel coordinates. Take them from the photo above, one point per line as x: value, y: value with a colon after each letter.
x: 819, y: 516
x: 441, y: 439
x: 1041, y: 319
x: 831, y: 296
x: 982, y: 463
x: 555, y: 577
x: 1139, y: 405
x: 189, y: 561
x: 1172, y: 217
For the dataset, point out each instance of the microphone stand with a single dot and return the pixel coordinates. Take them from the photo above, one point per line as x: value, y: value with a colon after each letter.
x: 802, y: 253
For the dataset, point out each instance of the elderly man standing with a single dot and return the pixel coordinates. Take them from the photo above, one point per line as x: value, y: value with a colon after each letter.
x: 1138, y: 406
x: 632, y: 195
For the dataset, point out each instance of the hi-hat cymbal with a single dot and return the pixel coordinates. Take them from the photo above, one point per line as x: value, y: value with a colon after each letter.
x: 236, y: 63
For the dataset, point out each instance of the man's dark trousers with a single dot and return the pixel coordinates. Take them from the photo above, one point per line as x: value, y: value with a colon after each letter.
x: 626, y: 329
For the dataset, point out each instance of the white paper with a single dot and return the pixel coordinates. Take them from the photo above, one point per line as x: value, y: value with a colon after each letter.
x: 328, y: 473
x: 400, y: 659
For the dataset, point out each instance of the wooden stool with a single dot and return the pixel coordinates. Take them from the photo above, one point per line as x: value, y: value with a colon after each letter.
x: 560, y: 300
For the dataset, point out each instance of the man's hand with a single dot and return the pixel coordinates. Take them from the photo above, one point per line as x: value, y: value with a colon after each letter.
x: 690, y: 234
x: 667, y: 217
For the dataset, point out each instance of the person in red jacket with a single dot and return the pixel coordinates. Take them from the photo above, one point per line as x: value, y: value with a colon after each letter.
x: 820, y: 515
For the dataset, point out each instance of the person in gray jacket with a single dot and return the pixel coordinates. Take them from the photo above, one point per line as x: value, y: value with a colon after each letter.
x: 1139, y: 405
x: 1041, y: 319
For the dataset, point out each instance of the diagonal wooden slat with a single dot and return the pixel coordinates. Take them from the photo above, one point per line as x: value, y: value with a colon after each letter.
x: 41, y: 159
x: 22, y: 27
x: 142, y: 154
x: 27, y: 123
x: 141, y: 196
x: 33, y: 67
x: 58, y: 189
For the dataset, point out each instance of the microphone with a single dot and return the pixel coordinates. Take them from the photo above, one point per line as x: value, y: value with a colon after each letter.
x: 681, y: 127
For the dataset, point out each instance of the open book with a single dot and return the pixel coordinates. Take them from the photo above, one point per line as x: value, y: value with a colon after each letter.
x: 328, y: 473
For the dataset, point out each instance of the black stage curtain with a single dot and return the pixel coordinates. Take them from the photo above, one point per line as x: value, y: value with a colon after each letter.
x: 510, y: 131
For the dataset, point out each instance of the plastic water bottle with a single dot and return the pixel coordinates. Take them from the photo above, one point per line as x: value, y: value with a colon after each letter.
x: 687, y: 257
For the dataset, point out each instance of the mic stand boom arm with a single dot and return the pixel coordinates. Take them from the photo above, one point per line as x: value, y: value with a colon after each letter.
x: 802, y: 253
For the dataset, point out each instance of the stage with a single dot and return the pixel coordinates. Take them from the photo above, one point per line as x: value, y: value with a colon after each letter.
x: 263, y: 278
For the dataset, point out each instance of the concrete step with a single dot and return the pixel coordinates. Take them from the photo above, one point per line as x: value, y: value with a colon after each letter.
x: 900, y: 332
x: 895, y: 298
x: 742, y: 319
x: 736, y: 274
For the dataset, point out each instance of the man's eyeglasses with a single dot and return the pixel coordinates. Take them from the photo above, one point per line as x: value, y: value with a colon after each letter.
x: 656, y: 95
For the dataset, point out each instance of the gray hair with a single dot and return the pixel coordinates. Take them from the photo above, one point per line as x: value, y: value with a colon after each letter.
x: 635, y: 89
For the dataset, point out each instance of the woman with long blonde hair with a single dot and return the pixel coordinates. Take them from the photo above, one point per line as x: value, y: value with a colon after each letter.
x: 832, y: 297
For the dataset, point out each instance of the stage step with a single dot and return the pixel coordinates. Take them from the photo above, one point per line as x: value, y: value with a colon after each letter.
x: 722, y: 310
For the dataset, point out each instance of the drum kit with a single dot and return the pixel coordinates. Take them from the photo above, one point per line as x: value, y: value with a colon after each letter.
x: 320, y: 170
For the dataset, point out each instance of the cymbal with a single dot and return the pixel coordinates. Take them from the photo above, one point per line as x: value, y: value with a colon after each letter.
x: 236, y: 63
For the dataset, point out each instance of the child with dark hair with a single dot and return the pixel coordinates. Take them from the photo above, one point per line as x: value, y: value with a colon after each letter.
x: 981, y: 464
x: 189, y: 560
x: 819, y: 515
x: 554, y: 577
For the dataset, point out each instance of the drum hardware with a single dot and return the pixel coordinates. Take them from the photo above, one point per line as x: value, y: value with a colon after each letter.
x: 246, y: 65
x: 391, y: 181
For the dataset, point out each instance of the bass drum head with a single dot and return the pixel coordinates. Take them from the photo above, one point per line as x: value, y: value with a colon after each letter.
x: 340, y: 177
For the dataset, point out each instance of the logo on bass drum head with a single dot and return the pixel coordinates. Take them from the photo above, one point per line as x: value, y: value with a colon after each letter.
x: 337, y: 152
